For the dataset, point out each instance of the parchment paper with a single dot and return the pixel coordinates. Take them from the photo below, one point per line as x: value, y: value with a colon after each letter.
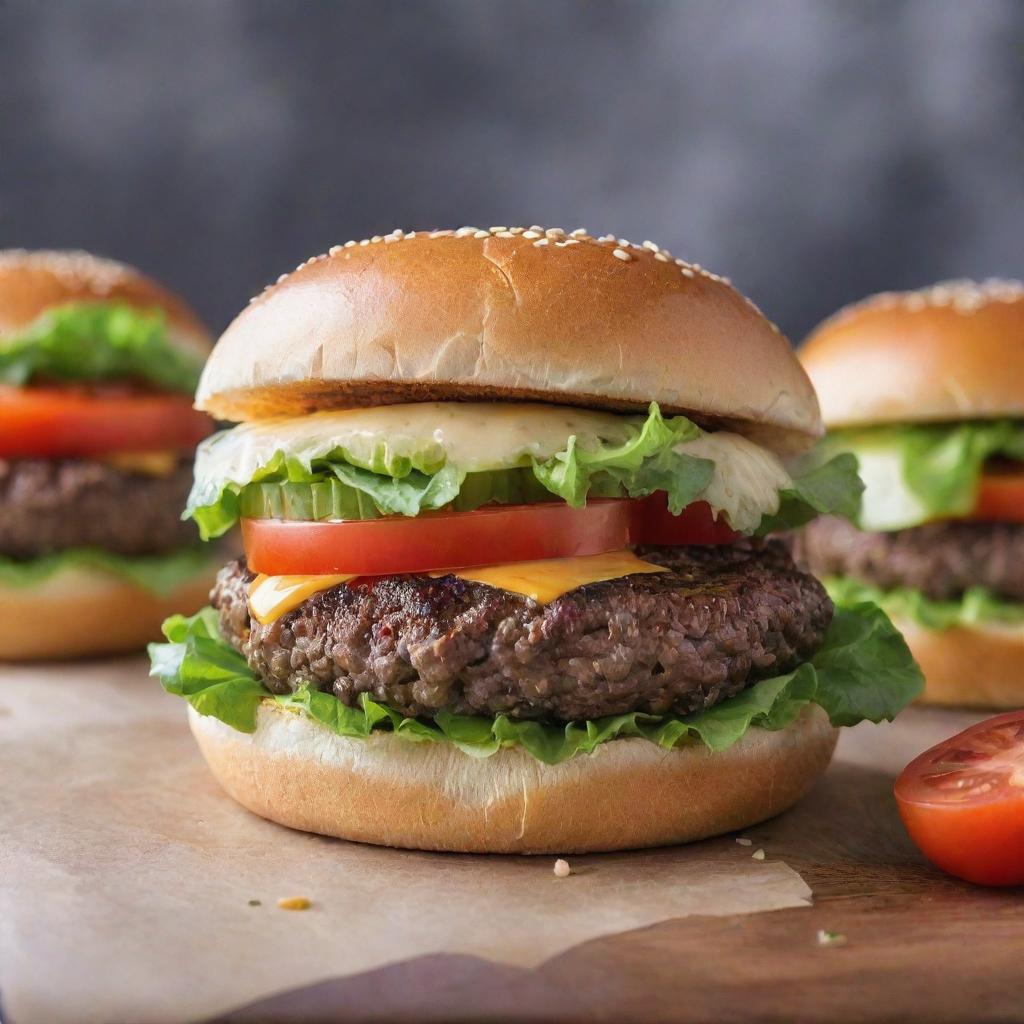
x: 126, y: 875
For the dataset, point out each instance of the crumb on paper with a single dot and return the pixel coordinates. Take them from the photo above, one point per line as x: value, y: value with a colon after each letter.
x: 758, y: 855
x: 255, y: 903
x: 294, y: 903
x: 562, y: 869
x: 744, y: 841
x: 830, y: 938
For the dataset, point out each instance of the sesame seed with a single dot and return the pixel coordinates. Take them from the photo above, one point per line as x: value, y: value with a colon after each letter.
x: 377, y: 238
x: 607, y: 238
x: 516, y: 231
x: 365, y: 241
x: 578, y: 233
x: 569, y: 241
x: 463, y: 232
x: 758, y: 855
x: 661, y: 256
x: 687, y: 272
x: 745, y: 842
x: 412, y: 234
x: 621, y: 254
x: 562, y: 869
x: 495, y: 230
x: 537, y: 227
x: 351, y: 242
x: 648, y: 244
x: 554, y: 232
x: 504, y: 234
x: 481, y: 234
x: 334, y: 250
x: 530, y: 234
x: 538, y: 244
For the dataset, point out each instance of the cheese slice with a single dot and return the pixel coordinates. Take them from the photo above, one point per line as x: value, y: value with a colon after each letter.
x: 150, y: 463
x: 270, y: 597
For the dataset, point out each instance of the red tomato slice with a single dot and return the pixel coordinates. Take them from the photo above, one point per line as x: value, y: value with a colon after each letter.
x: 436, y: 540
x: 1001, y: 498
x: 60, y: 423
x: 963, y: 802
x: 653, y: 523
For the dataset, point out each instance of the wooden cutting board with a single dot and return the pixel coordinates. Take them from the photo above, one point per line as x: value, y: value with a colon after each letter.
x: 919, y: 946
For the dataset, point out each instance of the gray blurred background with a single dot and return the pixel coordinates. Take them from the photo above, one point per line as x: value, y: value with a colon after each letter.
x: 813, y: 150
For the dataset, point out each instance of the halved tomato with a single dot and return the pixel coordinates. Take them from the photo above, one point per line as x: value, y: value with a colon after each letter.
x: 436, y: 540
x: 653, y: 523
x: 1001, y: 498
x: 71, y: 423
x: 963, y: 802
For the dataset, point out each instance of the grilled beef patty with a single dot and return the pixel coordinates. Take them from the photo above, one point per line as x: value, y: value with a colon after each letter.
x: 940, y: 559
x: 678, y: 641
x: 49, y: 505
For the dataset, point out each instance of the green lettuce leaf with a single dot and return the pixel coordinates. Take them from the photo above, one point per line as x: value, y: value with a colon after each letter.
x: 863, y: 671
x: 920, y: 472
x: 159, y: 574
x: 826, y: 488
x: 977, y: 607
x: 98, y: 341
x: 330, y: 485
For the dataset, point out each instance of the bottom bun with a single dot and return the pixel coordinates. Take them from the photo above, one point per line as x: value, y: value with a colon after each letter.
x: 430, y: 796
x: 78, y: 612
x: 969, y: 666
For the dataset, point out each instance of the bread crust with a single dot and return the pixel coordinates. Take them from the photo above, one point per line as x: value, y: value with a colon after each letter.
x: 629, y: 794
x: 80, y: 612
x: 451, y: 316
x: 32, y: 282
x: 967, y: 666
x: 949, y: 352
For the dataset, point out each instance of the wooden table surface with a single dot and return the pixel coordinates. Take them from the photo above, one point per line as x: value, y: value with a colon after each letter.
x: 920, y: 946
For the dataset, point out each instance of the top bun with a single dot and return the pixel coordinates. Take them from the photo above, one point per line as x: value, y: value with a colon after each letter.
x: 953, y: 351
x: 33, y: 282
x: 501, y: 315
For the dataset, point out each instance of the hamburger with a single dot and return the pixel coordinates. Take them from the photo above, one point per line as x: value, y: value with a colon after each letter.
x: 504, y: 495
x: 927, y: 389
x: 98, y: 365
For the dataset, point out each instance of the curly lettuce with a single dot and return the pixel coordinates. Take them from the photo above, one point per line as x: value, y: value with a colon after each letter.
x: 863, y: 671
x: 158, y: 574
x: 98, y: 341
x: 255, y: 473
x: 921, y: 472
x: 976, y: 607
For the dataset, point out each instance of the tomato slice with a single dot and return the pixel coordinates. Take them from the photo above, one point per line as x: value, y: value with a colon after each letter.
x: 963, y: 802
x: 436, y: 540
x: 65, y: 423
x: 1001, y: 497
x: 653, y: 523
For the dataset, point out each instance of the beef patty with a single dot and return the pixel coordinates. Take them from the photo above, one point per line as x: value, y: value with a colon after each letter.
x: 49, y: 505
x: 940, y: 559
x: 678, y: 641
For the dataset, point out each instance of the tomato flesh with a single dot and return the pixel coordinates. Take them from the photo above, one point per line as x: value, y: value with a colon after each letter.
x: 436, y: 540
x: 1001, y: 497
x: 653, y: 523
x: 962, y: 802
x: 67, y: 423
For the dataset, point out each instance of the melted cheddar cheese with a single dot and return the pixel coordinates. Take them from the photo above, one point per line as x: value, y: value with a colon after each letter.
x: 270, y: 597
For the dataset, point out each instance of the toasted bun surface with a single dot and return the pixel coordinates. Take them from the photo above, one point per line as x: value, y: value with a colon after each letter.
x: 449, y: 315
x: 32, y: 282
x: 969, y: 667
x: 950, y: 352
x: 430, y: 796
x: 79, y: 612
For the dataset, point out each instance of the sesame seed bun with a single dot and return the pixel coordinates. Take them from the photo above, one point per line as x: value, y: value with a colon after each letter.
x: 79, y: 612
x: 629, y: 793
x: 508, y: 315
x: 950, y: 352
x: 33, y: 282
x: 969, y: 666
